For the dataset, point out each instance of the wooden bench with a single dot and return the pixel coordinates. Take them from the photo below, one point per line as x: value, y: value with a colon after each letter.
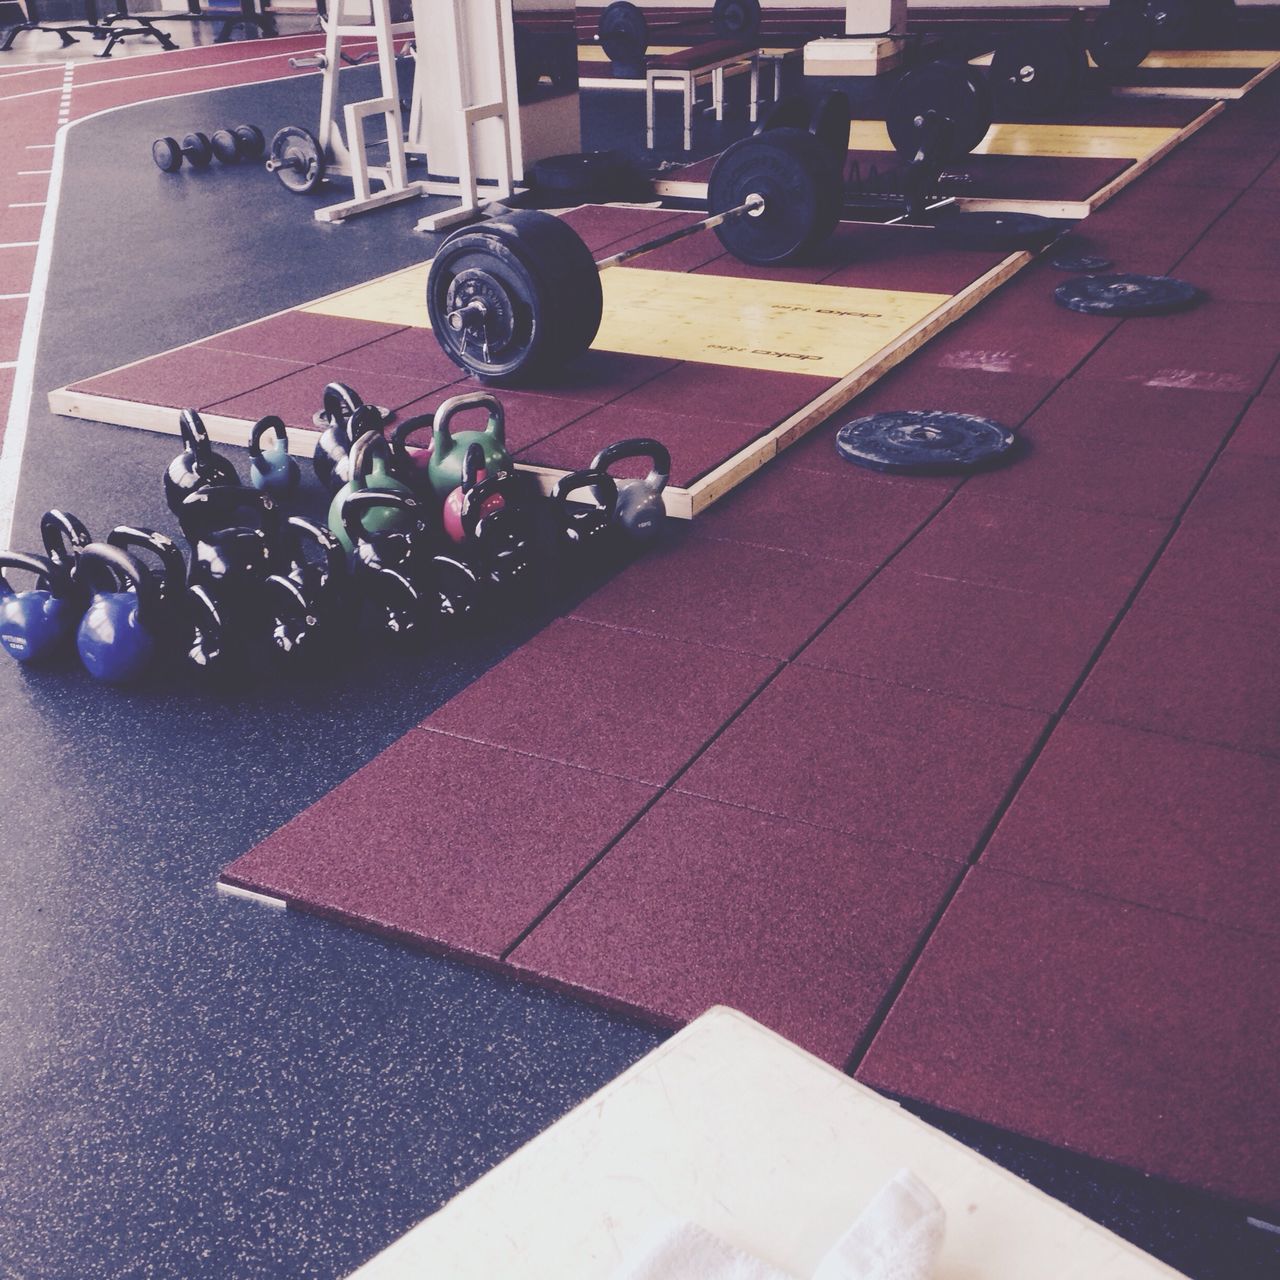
x: 699, y: 65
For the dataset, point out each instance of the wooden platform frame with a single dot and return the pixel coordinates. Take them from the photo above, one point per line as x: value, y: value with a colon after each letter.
x: 682, y: 502
x: 683, y: 189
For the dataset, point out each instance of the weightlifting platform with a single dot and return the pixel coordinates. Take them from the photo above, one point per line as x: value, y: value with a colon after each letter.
x: 728, y: 364
x: 1064, y: 170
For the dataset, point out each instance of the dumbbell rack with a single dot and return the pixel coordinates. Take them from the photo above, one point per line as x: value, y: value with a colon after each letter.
x: 347, y: 154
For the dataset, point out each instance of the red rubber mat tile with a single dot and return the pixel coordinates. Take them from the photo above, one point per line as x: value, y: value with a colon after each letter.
x: 1269, y: 179
x: 1026, y: 547
x: 1217, y: 253
x: 297, y: 397
x: 1247, y: 324
x: 1009, y: 647
x: 1144, y: 352
x: 1022, y: 332
x: 1148, y: 819
x: 1062, y: 472
x: 305, y: 336
x: 406, y: 353
x: 1241, y: 492
x: 1124, y: 1033
x: 895, y: 258
x: 1218, y: 168
x: 16, y: 269
x: 611, y: 700
x: 1101, y: 414
x: 448, y: 869
x: 850, y: 515
x: 601, y: 227
x: 1272, y: 387
x: 599, y: 377
x: 12, y: 313
x: 875, y: 760
x: 1236, y: 283
x: 197, y: 376
x: 728, y: 594
x: 754, y: 396
x: 696, y: 444
x: 1155, y: 209
x: 689, y: 910
x: 1221, y: 573
x: 1258, y: 434
x: 1190, y: 676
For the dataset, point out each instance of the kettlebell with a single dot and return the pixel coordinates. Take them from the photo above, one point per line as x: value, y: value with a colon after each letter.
x: 370, y: 471
x: 586, y: 528
x: 35, y: 624
x: 197, y: 466
x: 390, y: 561
x: 271, y: 469
x: 489, y: 498
x: 169, y: 621
x: 340, y: 404
x: 304, y: 603
x: 411, y: 461
x: 448, y: 451
x: 640, y: 512
x: 235, y: 535
x: 114, y: 639
x: 501, y: 548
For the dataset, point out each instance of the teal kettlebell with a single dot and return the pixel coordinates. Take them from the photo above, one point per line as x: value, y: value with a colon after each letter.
x: 449, y: 448
x: 271, y: 469
x: 371, y: 469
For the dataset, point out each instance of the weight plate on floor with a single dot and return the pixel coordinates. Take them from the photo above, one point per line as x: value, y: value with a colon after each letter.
x: 595, y: 177
x: 801, y: 187
x: 996, y: 229
x: 296, y: 159
x: 791, y: 112
x: 829, y: 123
x: 253, y: 142
x: 623, y: 34
x: 947, y: 91
x: 1119, y: 38
x: 1035, y: 72
x: 198, y: 150
x: 1078, y: 263
x: 167, y: 154
x: 923, y: 442
x: 736, y: 19
x: 1126, y: 295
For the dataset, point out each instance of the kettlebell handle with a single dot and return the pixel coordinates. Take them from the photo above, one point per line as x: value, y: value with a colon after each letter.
x: 409, y: 427
x: 260, y: 428
x: 127, y: 571
x: 42, y: 568
x: 341, y: 403
x: 640, y: 447
x: 442, y: 435
x: 194, y: 433
x: 472, y: 465
x: 370, y: 445
x: 334, y: 558
x: 59, y: 532
x: 127, y: 537
x: 360, y: 501
x: 602, y: 485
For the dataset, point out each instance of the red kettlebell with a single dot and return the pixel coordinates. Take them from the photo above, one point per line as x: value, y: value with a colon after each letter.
x: 456, y: 504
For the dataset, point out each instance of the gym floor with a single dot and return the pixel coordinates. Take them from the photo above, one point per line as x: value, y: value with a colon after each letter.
x: 190, y: 1085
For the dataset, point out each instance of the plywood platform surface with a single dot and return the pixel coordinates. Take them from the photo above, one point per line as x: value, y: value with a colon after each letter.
x: 740, y: 360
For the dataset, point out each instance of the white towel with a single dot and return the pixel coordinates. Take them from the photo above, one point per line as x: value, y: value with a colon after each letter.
x: 896, y: 1237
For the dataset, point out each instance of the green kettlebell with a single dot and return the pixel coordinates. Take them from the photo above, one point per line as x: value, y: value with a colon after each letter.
x: 449, y: 449
x: 370, y: 469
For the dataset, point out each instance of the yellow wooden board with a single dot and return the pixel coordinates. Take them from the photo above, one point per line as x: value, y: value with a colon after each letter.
x: 750, y: 324
x: 1090, y: 142
x: 1180, y: 58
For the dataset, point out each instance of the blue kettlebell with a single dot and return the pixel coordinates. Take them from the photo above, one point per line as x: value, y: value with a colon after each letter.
x: 34, y: 624
x: 449, y: 448
x: 271, y: 469
x: 115, y: 639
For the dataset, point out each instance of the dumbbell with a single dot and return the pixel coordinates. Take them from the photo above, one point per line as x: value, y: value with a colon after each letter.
x: 195, y: 147
x: 244, y: 142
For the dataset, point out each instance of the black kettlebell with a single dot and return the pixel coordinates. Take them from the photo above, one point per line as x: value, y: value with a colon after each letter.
x: 640, y: 512
x: 234, y: 534
x: 347, y: 418
x: 500, y: 546
x: 586, y: 529
x: 64, y: 536
x: 390, y: 564
x: 305, y: 602
x: 197, y: 466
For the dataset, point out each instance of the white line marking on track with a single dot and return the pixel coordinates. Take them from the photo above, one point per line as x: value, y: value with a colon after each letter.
x: 9, y: 297
x: 29, y: 204
x: 20, y: 244
x: 31, y: 173
x: 39, y: 146
x: 8, y: 364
